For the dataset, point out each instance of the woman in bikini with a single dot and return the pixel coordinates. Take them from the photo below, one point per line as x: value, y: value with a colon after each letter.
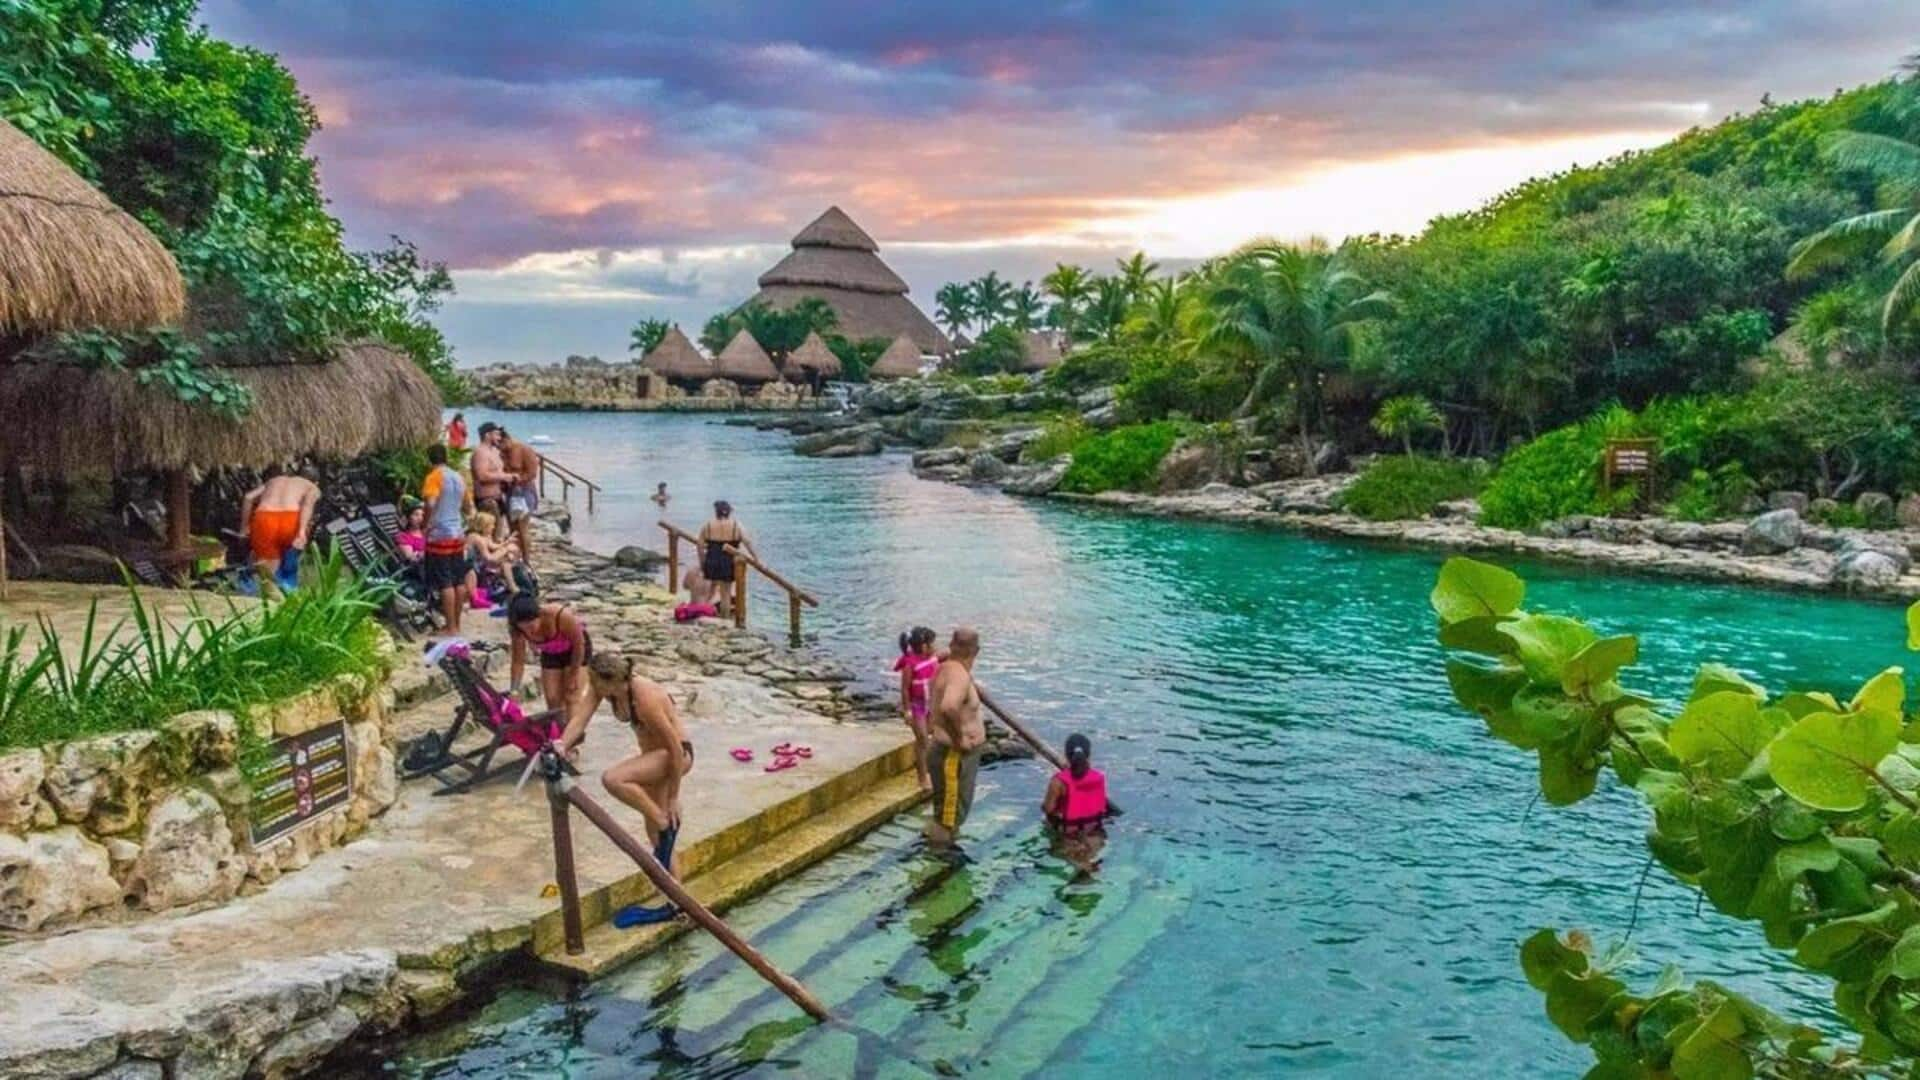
x: 649, y: 779
x: 560, y: 637
x: 716, y: 561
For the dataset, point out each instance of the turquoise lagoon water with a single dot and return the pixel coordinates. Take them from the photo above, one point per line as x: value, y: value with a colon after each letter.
x: 1326, y: 865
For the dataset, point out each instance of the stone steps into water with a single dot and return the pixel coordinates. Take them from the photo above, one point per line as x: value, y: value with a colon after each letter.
x: 835, y: 941
x: 1072, y: 998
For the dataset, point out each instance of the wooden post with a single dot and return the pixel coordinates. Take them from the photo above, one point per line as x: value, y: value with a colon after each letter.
x: 793, y: 617
x: 590, y: 498
x: 563, y: 873
x: 673, y: 562
x: 739, y: 592
x: 179, y: 511
x: 684, y: 900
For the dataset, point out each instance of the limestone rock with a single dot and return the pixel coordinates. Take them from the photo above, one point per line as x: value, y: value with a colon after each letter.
x: 1908, y: 512
x: 864, y: 446
x: 1875, y: 508
x: 188, y: 855
x: 1772, y: 533
x: 52, y: 876
x: 634, y: 557
x: 1009, y: 446
x: 375, y: 782
x: 104, y: 781
x: 986, y: 468
x: 1681, y: 534
x: 1103, y: 418
x: 209, y: 738
x: 21, y: 807
x: 1458, y: 509
x: 133, y: 1069
x: 720, y: 389
x: 816, y: 445
x: 302, y: 1048
x: 946, y: 455
x: 1865, y: 568
x: 1192, y: 463
x: 1795, y: 501
x: 1037, y: 479
x: 1821, y: 509
x: 1889, y: 546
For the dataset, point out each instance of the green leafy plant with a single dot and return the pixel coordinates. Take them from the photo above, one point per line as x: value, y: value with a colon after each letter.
x: 1797, y: 811
x: 1406, y: 416
x: 1712, y: 496
x: 1000, y: 350
x: 1061, y: 436
x: 1405, y: 488
x: 1124, y: 459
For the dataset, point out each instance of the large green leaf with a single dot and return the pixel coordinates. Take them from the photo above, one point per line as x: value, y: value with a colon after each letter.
x: 1913, y: 626
x: 1544, y: 955
x: 1724, y: 730
x: 1546, y: 644
x: 1825, y: 943
x: 1489, y: 693
x: 1884, y: 693
x: 1468, y: 588
x: 1714, y: 678
x: 1826, y: 760
x: 1576, y: 1003
x: 1477, y: 634
x: 1567, y: 772
x: 1713, y: 1051
x: 1598, y: 663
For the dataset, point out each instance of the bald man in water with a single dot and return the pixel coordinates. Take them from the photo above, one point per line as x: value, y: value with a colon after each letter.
x: 958, y: 736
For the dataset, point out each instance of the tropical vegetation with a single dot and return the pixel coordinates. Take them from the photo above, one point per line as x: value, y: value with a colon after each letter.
x: 206, y: 142
x: 1798, y: 812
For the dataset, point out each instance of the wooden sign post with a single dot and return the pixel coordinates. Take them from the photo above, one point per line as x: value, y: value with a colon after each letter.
x: 1630, y: 461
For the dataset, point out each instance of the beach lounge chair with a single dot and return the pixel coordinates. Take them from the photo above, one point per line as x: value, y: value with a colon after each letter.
x: 488, y: 710
x: 386, y: 524
x: 405, y: 609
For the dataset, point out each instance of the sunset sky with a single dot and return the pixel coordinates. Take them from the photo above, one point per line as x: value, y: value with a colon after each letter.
x: 582, y: 165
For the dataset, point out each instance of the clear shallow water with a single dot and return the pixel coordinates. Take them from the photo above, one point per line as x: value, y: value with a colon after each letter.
x: 1326, y: 865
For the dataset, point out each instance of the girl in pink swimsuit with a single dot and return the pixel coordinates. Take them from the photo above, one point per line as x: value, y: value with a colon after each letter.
x: 917, y: 666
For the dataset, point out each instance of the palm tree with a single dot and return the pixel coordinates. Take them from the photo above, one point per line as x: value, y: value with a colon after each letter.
x: 953, y: 306
x: 1068, y: 285
x: 992, y: 299
x: 1107, y: 311
x: 1404, y: 417
x: 647, y: 335
x: 1895, y: 231
x: 1025, y: 307
x: 1157, y: 315
x: 1135, y: 273
x: 1292, y: 312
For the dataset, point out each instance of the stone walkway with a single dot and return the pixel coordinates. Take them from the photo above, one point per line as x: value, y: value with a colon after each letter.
x: 377, y: 934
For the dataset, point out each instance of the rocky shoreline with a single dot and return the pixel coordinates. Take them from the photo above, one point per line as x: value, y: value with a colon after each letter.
x: 960, y: 436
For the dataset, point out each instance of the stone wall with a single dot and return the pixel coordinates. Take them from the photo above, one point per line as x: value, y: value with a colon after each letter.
x: 142, y: 821
x: 593, y: 385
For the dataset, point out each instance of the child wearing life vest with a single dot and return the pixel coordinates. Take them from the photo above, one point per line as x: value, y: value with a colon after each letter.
x: 1076, y: 798
x: 917, y: 666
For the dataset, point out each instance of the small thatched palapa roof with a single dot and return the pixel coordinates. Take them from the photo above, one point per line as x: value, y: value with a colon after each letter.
x: 676, y: 358
x: 69, y: 258
x: 1043, y: 351
x: 902, y: 360
x: 813, y: 358
x: 835, y: 261
x: 743, y: 360
x: 68, y: 418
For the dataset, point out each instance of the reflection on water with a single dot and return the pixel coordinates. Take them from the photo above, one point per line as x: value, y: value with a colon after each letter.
x: 1325, y: 864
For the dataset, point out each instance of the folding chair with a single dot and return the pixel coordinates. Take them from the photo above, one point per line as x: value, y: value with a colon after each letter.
x: 489, y: 711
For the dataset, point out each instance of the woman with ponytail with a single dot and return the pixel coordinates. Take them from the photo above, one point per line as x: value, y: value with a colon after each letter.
x: 917, y: 666
x: 1076, y: 798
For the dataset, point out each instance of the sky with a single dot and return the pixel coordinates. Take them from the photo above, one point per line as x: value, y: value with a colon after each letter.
x: 583, y: 164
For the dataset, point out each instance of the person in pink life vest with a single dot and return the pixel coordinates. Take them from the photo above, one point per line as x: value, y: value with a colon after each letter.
x: 1076, y: 807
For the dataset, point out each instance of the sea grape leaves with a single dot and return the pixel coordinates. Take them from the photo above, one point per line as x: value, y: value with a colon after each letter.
x: 1489, y: 693
x: 1547, y: 643
x: 1885, y: 692
x: 1826, y: 760
x: 1468, y: 587
x: 1715, y: 678
x: 1598, y: 663
x: 1477, y: 634
x: 1913, y: 626
x: 1827, y: 943
x: 1712, y: 1050
x: 1725, y: 730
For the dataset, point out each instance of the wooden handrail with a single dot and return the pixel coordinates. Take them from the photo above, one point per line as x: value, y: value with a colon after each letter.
x: 796, y: 596
x: 567, y: 478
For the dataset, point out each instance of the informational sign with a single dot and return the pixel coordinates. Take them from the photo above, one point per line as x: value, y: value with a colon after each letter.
x: 298, y: 778
x: 1630, y: 462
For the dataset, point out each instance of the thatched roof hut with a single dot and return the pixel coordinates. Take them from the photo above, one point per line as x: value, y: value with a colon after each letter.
x: 902, y: 360
x: 68, y: 418
x: 1043, y: 351
x: 676, y: 358
x: 69, y: 258
x: 813, y: 358
x: 835, y: 261
x: 744, y: 361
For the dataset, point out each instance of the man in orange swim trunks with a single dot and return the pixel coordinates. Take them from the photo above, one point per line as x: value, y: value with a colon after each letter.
x: 274, y: 519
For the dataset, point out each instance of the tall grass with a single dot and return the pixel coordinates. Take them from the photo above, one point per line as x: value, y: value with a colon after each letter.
x: 142, y: 669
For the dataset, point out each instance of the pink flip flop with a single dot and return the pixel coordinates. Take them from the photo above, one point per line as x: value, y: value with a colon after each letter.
x: 741, y: 753
x: 781, y: 763
x: 803, y: 751
x: 785, y: 749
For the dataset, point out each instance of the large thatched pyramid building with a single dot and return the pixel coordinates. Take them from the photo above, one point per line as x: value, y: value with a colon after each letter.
x: 835, y: 260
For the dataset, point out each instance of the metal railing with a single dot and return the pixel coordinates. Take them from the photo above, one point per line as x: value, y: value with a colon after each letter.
x: 796, y: 596
x: 567, y: 478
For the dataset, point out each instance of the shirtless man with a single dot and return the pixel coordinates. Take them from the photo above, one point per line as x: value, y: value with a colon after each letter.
x: 958, y: 735
x: 649, y: 779
x: 274, y: 520
x: 491, y: 478
x: 523, y: 491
